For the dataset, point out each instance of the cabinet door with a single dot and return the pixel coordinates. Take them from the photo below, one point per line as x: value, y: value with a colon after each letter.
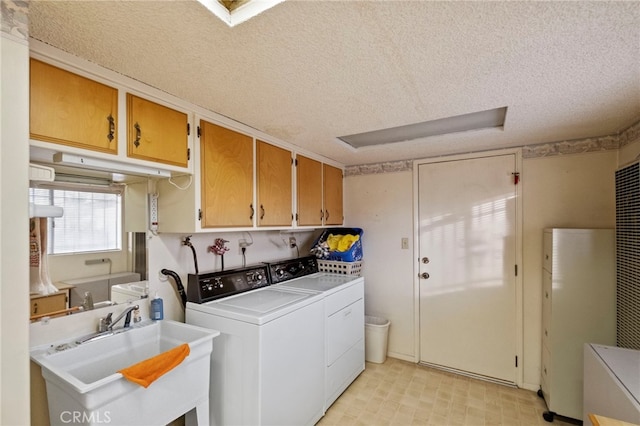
x: 333, y: 214
x: 46, y: 304
x: 226, y: 166
x: 69, y: 109
x: 546, y: 378
x: 156, y: 133
x: 274, y: 185
x: 344, y: 329
x: 547, y: 251
x: 309, y: 191
x: 546, y: 308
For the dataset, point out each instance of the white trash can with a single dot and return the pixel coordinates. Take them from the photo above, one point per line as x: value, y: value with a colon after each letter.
x: 376, y: 335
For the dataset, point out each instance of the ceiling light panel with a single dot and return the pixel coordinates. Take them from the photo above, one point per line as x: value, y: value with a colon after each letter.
x: 234, y: 12
x: 492, y: 118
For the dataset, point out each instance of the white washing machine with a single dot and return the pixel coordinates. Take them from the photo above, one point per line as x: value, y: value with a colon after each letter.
x: 268, y: 364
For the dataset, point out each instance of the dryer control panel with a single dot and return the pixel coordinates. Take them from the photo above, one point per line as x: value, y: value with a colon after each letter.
x: 289, y: 269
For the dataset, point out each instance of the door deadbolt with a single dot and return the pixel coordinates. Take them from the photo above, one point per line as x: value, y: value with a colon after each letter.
x: 425, y: 260
x: 424, y: 275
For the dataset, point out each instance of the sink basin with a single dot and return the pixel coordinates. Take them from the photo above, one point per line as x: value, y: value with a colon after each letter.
x: 125, y: 292
x: 83, y: 378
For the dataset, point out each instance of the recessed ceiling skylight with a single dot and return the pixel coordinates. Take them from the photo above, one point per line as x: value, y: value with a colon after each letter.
x: 492, y: 118
x: 234, y: 12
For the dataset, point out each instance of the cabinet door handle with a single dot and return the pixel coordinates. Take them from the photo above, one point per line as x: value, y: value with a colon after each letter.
x: 261, y: 212
x: 112, y: 127
x: 252, y: 211
x: 35, y: 308
x: 347, y: 313
x: 321, y: 215
x: 326, y: 214
x: 138, y: 135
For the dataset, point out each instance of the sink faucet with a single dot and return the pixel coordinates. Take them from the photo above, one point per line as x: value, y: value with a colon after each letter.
x: 87, y: 303
x: 126, y: 314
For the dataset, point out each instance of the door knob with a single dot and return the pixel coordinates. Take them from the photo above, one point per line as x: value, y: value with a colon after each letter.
x: 425, y: 260
x: 424, y: 275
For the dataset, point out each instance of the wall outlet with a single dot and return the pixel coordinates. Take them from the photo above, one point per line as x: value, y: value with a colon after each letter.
x: 404, y: 243
x: 292, y: 242
x: 242, y: 245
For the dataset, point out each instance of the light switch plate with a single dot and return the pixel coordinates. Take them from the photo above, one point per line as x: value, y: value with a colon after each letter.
x: 405, y: 243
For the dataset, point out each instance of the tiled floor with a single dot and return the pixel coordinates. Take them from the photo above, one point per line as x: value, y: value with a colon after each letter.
x: 402, y: 393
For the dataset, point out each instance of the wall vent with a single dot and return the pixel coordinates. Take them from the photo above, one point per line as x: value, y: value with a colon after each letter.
x: 628, y: 256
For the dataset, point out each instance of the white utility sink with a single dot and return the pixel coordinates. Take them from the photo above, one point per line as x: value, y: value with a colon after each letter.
x: 121, y: 293
x: 84, y: 386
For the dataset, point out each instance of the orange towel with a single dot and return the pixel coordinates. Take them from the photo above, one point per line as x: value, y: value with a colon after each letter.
x: 146, y: 372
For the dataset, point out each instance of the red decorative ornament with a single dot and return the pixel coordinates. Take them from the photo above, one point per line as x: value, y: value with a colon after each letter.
x: 219, y: 247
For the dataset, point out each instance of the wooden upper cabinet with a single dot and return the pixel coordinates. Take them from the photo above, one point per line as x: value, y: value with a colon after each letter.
x: 156, y: 132
x: 333, y: 214
x: 274, y: 185
x: 69, y: 109
x: 309, y: 191
x: 226, y: 166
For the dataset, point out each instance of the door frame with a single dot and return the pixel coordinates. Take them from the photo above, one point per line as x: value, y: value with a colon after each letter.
x: 519, y: 311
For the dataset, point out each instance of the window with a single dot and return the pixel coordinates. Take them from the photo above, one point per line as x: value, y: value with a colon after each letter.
x: 92, y: 219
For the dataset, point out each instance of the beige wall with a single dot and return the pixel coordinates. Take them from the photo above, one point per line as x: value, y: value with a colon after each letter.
x: 14, y: 228
x: 382, y: 205
x: 629, y: 153
x: 560, y: 191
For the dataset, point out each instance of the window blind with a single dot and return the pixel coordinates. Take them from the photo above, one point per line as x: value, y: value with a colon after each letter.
x: 92, y: 219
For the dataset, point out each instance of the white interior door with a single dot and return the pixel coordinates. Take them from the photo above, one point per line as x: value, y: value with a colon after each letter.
x: 467, y: 234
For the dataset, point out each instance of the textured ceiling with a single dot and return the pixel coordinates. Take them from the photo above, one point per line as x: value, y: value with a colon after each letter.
x: 307, y: 72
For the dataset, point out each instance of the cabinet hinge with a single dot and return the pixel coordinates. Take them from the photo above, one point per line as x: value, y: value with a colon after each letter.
x: 516, y: 360
x: 198, y: 131
x: 199, y: 214
x: 188, y: 154
x: 188, y: 129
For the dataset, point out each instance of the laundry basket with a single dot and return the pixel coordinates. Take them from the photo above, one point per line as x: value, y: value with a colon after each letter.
x: 376, y: 335
x: 354, y: 254
x: 344, y: 268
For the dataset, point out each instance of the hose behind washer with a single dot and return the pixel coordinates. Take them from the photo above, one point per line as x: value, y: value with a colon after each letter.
x: 179, y: 286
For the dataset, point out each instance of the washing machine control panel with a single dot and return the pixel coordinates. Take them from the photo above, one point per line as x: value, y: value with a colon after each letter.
x: 214, y: 285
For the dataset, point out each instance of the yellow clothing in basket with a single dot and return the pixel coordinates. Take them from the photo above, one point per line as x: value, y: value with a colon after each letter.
x: 341, y: 242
